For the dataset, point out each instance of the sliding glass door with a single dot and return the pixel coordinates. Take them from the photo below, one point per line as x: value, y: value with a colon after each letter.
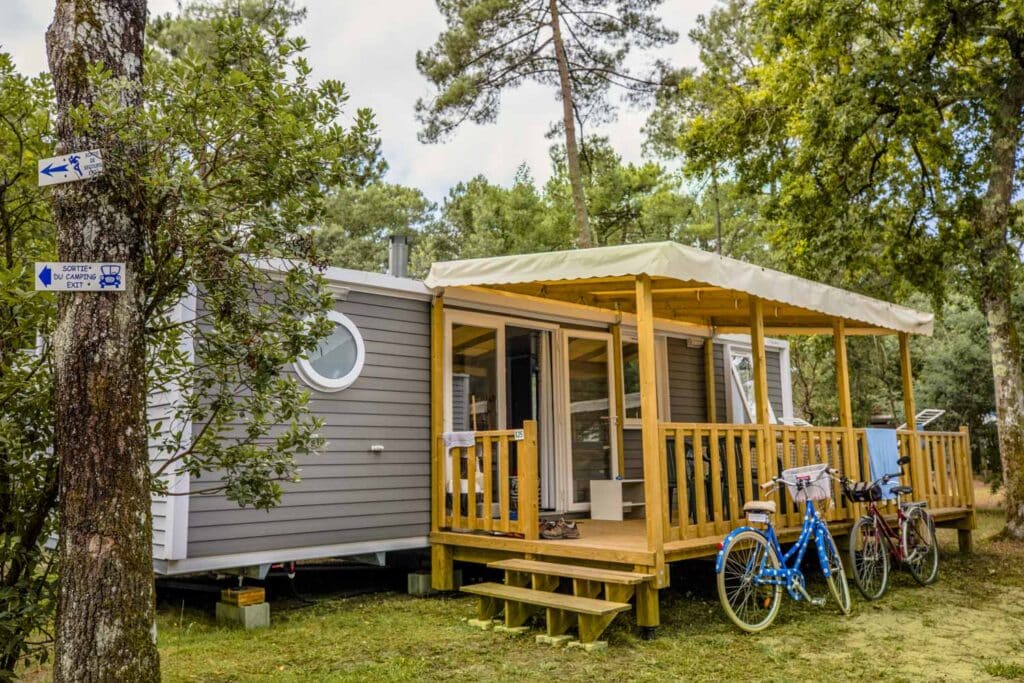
x: 591, y: 415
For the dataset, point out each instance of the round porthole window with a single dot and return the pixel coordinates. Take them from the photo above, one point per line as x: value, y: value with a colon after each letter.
x: 336, y: 363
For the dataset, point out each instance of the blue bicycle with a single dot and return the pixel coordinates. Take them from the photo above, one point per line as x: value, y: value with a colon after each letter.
x: 752, y: 569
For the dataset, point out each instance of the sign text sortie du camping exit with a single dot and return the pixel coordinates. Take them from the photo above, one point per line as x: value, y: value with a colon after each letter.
x: 80, y: 277
x: 70, y: 167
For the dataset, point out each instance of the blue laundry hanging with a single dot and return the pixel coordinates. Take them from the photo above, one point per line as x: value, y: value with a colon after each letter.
x: 883, y: 454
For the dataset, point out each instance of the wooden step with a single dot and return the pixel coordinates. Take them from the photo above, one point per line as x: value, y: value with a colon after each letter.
x: 547, y: 599
x: 571, y: 571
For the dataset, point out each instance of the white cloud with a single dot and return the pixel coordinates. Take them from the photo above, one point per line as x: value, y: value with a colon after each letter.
x: 371, y: 46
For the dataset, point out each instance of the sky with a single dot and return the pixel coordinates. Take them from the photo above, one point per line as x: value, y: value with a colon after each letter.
x: 371, y: 47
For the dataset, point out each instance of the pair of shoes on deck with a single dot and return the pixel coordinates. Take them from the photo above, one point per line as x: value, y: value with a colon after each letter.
x: 560, y: 529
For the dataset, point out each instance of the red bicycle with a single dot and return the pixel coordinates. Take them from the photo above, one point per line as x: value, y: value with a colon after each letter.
x: 873, y: 540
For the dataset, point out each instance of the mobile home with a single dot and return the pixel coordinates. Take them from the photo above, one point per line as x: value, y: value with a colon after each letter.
x: 643, y: 390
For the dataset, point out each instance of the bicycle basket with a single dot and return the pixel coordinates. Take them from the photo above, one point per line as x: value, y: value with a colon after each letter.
x: 816, y: 484
x: 860, y: 492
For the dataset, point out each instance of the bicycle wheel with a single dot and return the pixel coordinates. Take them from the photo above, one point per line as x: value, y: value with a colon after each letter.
x: 920, y: 546
x: 869, y: 558
x: 837, y: 575
x: 750, y: 605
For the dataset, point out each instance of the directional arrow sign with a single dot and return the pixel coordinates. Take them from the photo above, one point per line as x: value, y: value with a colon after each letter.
x: 70, y: 167
x: 80, y: 277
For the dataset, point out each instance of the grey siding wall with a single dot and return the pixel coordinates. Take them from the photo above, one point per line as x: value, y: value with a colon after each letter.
x: 633, y: 454
x: 722, y: 390
x: 773, y: 358
x: 687, y: 388
x: 687, y: 399
x: 348, y: 494
x: 159, y: 409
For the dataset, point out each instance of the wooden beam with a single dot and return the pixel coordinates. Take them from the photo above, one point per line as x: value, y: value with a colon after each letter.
x: 760, y: 361
x: 918, y: 471
x: 658, y: 291
x: 437, y: 411
x: 709, y: 381
x: 842, y: 374
x: 619, y: 385
x: 851, y: 457
x: 655, y: 472
x: 786, y: 330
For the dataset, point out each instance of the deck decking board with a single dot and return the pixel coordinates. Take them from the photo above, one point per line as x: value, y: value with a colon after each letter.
x: 570, y: 603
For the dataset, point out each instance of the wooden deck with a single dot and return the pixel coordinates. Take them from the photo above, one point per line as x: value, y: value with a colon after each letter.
x: 618, y: 544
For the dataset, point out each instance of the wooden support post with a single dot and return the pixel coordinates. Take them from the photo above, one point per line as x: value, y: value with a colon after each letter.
x: 918, y: 471
x: 558, y: 621
x: 488, y: 608
x: 529, y: 486
x: 437, y: 412
x: 619, y: 387
x: 760, y: 361
x: 442, y: 568
x: 766, y: 455
x: 850, y: 458
x: 585, y: 588
x: 969, y: 494
x: 709, y: 381
x: 655, y: 470
x: 965, y: 540
x: 517, y: 613
x: 647, y: 615
x: 591, y: 627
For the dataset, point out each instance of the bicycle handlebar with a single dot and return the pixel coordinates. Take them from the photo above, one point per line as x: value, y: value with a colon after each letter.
x: 831, y: 471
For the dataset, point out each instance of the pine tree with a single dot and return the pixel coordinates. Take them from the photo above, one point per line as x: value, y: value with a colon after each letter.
x: 578, y: 46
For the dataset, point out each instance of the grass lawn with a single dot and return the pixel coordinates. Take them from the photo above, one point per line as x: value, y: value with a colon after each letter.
x: 968, y: 626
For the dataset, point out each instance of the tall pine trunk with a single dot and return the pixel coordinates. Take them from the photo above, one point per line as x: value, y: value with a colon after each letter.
x: 996, y: 280
x: 579, y: 199
x: 105, y: 611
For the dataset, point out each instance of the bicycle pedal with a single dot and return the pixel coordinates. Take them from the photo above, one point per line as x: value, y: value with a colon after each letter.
x: 818, y: 602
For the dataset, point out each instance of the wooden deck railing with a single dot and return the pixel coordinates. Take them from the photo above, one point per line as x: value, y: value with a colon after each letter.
x: 944, y: 478
x: 499, y: 476
x: 713, y: 469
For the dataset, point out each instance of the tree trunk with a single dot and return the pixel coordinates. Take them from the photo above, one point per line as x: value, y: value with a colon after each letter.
x: 996, y: 281
x: 1004, y: 346
x: 579, y: 199
x: 105, y: 610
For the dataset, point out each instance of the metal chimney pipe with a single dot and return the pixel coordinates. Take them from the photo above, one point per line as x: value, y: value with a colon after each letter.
x: 398, y: 256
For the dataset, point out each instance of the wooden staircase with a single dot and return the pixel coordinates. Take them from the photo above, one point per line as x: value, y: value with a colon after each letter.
x: 597, y: 596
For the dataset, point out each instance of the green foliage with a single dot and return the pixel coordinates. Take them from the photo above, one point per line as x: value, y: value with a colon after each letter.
x: 626, y: 202
x: 867, y: 131
x: 28, y: 486
x: 954, y: 372
x: 359, y: 221
x: 242, y: 147
x: 490, y: 46
x: 483, y: 219
x: 194, y: 27
x: 239, y: 148
x: 882, y: 141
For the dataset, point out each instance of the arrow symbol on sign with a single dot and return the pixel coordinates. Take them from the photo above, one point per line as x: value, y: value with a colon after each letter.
x: 51, y: 169
x: 45, y: 275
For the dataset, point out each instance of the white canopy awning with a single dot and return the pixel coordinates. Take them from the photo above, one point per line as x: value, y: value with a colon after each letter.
x: 675, y: 262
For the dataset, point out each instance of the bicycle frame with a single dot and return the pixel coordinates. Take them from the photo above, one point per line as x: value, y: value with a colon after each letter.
x: 888, y: 532
x: 788, y: 574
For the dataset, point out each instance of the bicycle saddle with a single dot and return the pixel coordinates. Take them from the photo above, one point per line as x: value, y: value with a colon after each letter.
x: 901, y: 490
x: 759, y: 506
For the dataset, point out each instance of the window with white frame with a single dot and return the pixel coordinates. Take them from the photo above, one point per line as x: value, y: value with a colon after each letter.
x: 741, y: 371
x: 336, y: 363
